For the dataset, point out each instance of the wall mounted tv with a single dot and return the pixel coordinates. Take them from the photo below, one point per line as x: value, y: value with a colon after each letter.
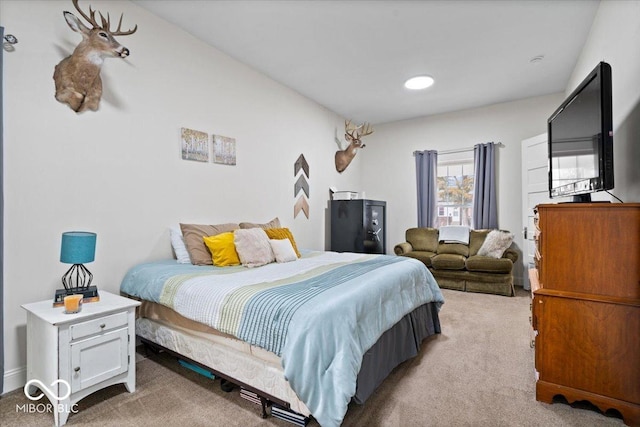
x: 580, y: 136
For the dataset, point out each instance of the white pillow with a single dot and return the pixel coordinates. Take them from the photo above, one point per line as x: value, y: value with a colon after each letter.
x: 253, y: 247
x: 496, y: 242
x: 179, y: 248
x: 283, y: 250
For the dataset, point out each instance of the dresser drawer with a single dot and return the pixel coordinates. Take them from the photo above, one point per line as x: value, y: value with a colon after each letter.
x: 95, y: 326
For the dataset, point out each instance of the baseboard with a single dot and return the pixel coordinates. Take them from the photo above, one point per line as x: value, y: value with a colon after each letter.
x: 14, y: 379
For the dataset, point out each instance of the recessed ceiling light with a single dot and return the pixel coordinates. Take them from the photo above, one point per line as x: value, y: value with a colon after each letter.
x: 419, y: 82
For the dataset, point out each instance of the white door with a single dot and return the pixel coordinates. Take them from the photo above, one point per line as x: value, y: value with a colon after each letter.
x: 535, y: 190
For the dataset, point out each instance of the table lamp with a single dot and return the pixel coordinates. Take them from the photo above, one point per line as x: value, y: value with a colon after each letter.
x: 77, y: 248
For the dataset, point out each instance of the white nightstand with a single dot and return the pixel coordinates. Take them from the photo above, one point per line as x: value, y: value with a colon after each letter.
x: 88, y: 351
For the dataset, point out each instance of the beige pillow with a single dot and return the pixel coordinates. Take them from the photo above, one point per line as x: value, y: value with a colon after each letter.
x: 274, y: 223
x: 253, y: 247
x: 193, y: 239
x: 283, y: 250
x: 496, y: 242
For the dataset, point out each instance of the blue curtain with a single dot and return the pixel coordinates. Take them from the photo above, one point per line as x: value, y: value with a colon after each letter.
x: 1, y: 222
x: 426, y: 175
x: 485, y: 204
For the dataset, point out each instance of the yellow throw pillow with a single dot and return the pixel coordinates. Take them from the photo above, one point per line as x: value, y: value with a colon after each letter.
x: 282, y: 233
x: 222, y: 248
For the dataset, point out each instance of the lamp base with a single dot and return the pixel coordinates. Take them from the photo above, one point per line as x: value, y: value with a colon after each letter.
x: 89, y: 294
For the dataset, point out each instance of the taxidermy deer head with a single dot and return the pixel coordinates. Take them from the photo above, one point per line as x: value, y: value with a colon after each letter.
x: 77, y: 77
x: 352, y: 134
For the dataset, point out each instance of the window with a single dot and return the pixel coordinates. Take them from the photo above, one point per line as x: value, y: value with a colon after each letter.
x: 455, y: 189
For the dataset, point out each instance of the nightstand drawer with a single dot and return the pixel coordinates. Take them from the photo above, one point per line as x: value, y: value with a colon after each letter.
x: 95, y: 326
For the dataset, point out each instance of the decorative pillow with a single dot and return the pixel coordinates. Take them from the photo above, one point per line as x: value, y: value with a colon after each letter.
x: 283, y: 233
x: 222, y: 248
x: 253, y: 247
x: 274, y: 223
x: 496, y: 242
x: 476, y: 239
x: 193, y: 234
x: 283, y: 250
x: 179, y: 248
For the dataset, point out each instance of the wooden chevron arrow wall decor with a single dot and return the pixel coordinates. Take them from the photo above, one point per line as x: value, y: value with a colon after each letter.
x: 302, y: 184
x: 301, y: 163
x: 301, y: 205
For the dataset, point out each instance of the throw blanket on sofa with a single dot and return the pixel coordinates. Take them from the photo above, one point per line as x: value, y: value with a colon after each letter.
x: 320, y: 313
x: 454, y: 234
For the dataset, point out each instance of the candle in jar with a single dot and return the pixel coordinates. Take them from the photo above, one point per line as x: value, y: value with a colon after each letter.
x: 72, y: 304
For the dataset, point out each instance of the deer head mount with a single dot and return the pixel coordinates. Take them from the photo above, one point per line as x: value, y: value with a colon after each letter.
x: 352, y: 134
x: 77, y: 77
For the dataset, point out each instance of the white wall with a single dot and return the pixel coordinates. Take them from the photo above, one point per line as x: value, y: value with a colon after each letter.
x: 118, y: 171
x: 388, y: 165
x: 614, y: 38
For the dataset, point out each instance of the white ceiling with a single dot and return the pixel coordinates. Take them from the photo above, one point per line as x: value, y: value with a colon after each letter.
x: 354, y: 56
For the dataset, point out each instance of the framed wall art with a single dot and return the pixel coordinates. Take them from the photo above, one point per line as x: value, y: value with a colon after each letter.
x: 195, y: 145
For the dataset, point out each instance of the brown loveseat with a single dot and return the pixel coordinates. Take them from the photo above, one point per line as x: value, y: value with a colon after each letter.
x: 458, y: 266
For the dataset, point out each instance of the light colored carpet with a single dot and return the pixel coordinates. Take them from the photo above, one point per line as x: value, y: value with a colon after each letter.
x: 478, y: 372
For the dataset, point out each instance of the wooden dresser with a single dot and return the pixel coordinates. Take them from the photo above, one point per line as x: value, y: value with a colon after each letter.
x: 586, y: 311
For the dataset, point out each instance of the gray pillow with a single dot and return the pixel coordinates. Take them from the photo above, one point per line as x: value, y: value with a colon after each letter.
x: 496, y: 242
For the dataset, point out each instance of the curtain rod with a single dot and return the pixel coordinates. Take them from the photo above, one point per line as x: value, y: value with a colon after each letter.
x: 460, y: 150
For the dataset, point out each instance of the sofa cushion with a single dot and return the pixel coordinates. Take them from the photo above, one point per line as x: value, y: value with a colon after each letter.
x: 476, y: 239
x: 489, y: 265
x: 453, y: 248
x: 448, y: 262
x: 423, y: 239
x: 424, y: 256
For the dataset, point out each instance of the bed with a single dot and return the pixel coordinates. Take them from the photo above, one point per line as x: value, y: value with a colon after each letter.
x: 312, y: 334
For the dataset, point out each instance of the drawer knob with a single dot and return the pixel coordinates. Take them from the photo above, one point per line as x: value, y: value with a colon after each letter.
x: 102, y: 326
x: 77, y: 369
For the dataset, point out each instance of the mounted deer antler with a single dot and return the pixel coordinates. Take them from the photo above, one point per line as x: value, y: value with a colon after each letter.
x: 353, y: 134
x: 77, y: 77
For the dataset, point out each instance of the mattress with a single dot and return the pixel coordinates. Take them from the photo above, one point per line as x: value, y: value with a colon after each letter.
x: 222, y: 355
x: 169, y: 318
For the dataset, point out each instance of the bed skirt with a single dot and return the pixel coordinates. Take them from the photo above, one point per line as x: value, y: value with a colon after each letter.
x: 264, y: 375
x: 400, y: 343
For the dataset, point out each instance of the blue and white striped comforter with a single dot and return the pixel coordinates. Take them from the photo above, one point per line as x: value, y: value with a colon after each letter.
x: 320, y: 313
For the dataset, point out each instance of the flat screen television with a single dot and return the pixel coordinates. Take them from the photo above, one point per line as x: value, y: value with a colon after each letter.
x: 580, y: 134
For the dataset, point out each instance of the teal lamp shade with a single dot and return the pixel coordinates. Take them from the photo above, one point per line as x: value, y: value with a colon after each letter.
x: 78, y: 247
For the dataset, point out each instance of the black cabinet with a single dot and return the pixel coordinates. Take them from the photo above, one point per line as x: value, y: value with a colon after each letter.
x: 358, y: 226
